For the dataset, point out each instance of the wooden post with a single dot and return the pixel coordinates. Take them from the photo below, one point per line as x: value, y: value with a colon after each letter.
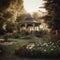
x: 20, y: 27
x: 33, y: 29
x: 26, y: 26
x: 39, y: 27
x: 33, y: 26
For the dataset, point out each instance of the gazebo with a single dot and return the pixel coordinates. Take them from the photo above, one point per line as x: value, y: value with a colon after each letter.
x: 29, y: 24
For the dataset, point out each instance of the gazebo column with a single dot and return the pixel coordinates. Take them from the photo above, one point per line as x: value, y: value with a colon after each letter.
x: 39, y: 27
x: 20, y: 27
x: 34, y: 27
x: 25, y: 26
x: 28, y: 29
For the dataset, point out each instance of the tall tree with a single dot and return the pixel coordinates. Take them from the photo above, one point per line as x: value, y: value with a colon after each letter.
x: 9, y: 10
x: 53, y: 8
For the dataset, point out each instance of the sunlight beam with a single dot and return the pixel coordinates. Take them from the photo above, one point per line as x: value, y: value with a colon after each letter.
x: 33, y: 5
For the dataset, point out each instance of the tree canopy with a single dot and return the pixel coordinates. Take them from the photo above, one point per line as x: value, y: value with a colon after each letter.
x: 53, y: 16
x: 9, y: 10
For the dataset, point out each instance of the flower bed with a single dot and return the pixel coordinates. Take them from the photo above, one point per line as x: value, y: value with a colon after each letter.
x: 38, y: 49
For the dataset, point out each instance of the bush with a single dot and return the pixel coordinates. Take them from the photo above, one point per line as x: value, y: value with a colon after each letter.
x: 1, y: 50
x: 41, y: 33
x: 38, y: 49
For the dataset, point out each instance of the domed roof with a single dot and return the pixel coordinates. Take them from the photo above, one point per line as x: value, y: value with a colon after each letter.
x: 30, y: 20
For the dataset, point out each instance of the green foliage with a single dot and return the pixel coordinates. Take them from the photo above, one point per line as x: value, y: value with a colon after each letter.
x: 8, y: 9
x: 39, y: 48
x: 41, y: 33
x: 52, y: 6
x: 10, y: 27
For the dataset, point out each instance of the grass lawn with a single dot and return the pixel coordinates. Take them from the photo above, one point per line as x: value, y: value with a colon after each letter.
x: 10, y: 50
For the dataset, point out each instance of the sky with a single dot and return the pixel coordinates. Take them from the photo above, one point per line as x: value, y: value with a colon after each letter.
x: 33, y: 5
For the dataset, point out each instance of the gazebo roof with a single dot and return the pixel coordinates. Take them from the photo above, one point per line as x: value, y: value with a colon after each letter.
x: 30, y: 20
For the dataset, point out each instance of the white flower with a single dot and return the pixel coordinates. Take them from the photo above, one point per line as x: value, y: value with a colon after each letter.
x: 38, y: 45
x: 44, y: 50
x: 45, y: 44
x: 54, y: 46
x: 30, y: 46
x: 52, y: 49
x: 50, y: 42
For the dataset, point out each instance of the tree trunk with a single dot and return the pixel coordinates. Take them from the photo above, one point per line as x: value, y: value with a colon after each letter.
x: 58, y: 33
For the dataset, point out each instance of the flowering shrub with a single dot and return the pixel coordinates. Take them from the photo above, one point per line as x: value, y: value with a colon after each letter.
x: 41, y: 33
x: 37, y: 49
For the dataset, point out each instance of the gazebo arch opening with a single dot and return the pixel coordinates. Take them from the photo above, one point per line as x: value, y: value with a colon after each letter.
x: 29, y: 25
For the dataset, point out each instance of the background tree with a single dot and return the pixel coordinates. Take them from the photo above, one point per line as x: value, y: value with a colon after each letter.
x: 9, y: 10
x: 53, y: 17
